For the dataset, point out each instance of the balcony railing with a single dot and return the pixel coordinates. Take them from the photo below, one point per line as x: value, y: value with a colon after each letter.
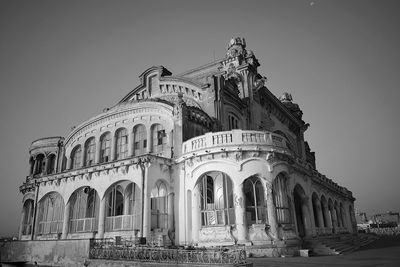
x: 83, y: 225
x: 234, y: 137
x: 50, y: 227
x: 122, y: 222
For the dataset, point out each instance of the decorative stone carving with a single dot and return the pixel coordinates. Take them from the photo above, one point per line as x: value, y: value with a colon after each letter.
x: 216, y: 236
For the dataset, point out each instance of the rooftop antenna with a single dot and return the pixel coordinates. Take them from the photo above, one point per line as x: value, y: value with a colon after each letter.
x: 214, y: 55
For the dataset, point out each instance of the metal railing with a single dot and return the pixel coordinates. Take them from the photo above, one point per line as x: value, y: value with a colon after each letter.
x: 83, y: 225
x: 104, y: 249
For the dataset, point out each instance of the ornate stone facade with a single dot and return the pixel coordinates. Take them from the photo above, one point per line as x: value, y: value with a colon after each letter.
x: 208, y: 157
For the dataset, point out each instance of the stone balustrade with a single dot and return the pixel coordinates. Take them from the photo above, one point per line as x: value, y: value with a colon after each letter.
x: 234, y: 138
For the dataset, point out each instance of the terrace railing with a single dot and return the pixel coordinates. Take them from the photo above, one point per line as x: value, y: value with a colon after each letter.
x: 82, y: 225
x: 104, y: 249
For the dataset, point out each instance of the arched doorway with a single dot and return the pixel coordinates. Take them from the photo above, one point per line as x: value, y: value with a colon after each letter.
x: 301, y: 210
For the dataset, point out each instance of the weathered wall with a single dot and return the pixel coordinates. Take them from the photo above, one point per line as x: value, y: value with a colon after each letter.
x: 52, y: 252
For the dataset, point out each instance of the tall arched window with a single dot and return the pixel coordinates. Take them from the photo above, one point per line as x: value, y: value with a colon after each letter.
x: 32, y: 165
x: 279, y: 190
x: 90, y: 151
x: 39, y: 164
x: 84, y: 210
x: 51, y: 213
x: 159, y: 138
x: 140, y: 140
x: 255, y: 201
x: 159, y: 210
x: 216, y: 199
x: 28, y: 217
x: 121, y: 144
x: 76, y: 157
x: 51, y: 165
x: 115, y: 201
x: 105, y: 147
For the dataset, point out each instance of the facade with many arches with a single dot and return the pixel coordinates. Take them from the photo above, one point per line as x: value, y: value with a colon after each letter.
x: 208, y: 157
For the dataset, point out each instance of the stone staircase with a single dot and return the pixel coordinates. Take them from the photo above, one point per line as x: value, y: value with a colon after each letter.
x: 337, y: 245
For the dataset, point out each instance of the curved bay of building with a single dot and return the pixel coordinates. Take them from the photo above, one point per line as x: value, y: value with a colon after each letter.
x: 209, y: 157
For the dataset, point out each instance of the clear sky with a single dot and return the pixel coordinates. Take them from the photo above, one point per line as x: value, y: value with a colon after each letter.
x: 62, y: 62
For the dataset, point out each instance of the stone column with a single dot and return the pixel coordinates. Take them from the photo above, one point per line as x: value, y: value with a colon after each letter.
x: 102, y: 216
x: 170, y: 208
x: 97, y: 152
x: 333, y: 219
x: 112, y: 150
x: 271, y: 210
x: 195, y: 215
x: 319, y: 215
x: 149, y: 141
x: 130, y: 143
x: 65, y: 221
x: 146, y: 206
x: 240, y: 212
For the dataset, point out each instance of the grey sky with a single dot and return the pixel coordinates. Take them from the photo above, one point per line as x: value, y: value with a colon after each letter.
x: 62, y: 62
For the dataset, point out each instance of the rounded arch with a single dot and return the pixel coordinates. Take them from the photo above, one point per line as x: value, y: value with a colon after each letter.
x: 105, y: 147
x: 84, y: 210
x: 121, y: 143
x: 31, y: 165
x: 27, y: 213
x: 216, y: 199
x: 39, y: 162
x: 50, y: 213
x: 90, y: 151
x: 158, y: 138
x: 301, y: 210
x: 280, y: 193
x: 76, y: 157
x: 255, y: 202
x: 139, y: 139
x: 51, y: 163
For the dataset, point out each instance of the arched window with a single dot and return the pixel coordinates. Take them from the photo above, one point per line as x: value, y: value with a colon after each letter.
x: 76, y: 157
x: 84, y: 210
x: 233, y: 122
x: 159, y: 210
x: 51, y: 213
x: 121, y: 144
x: 32, y: 165
x: 90, y: 151
x: 216, y: 199
x: 105, y: 147
x: 115, y: 201
x: 159, y: 138
x: 140, y: 140
x: 279, y: 190
x: 51, y: 165
x: 255, y: 201
x: 28, y: 217
x: 39, y: 164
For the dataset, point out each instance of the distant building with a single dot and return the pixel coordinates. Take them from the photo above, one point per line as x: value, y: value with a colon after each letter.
x: 386, y: 218
x: 361, y: 217
x: 207, y: 157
